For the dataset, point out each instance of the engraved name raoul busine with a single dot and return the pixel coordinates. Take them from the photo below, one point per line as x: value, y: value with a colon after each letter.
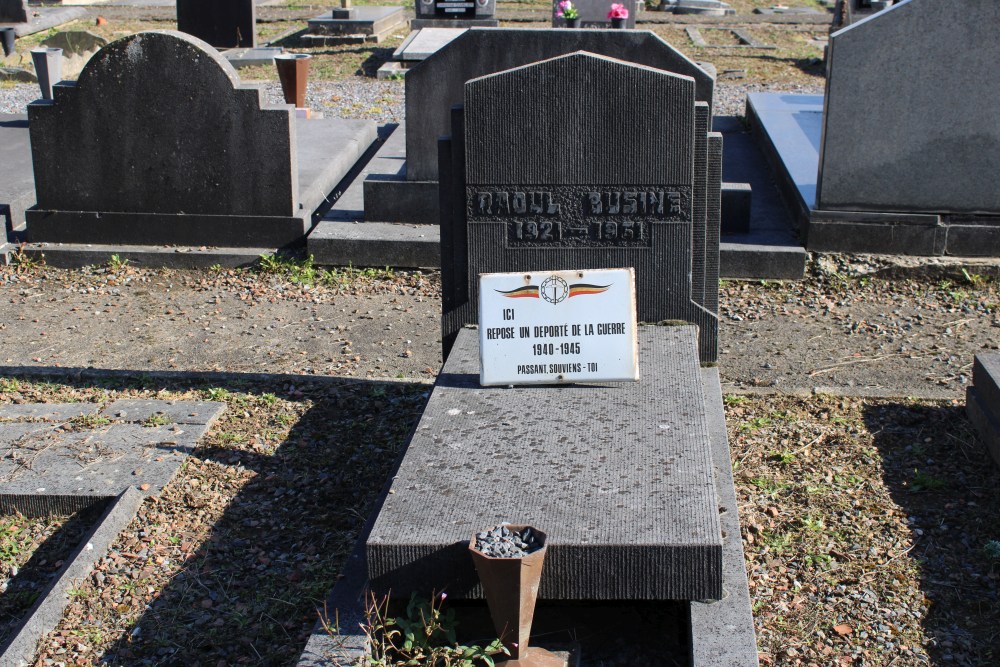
x: 581, y: 216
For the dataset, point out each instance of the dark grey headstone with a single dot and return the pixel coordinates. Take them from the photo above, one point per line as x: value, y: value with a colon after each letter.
x: 456, y: 10
x: 435, y: 85
x: 221, y: 23
x: 910, y: 121
x: 633, y: 517
x: 157, y: 125
x: 13, y: 11
x: 545, y: 173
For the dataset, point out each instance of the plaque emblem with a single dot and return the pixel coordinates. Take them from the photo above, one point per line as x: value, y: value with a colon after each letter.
x: 554, y: 289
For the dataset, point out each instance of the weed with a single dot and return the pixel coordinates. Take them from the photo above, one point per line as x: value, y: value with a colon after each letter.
x: 297, y: 271
x: 992, y: 549
x: 974, y: 279
x: 117, y: 263
x: 269, y: 399
x: 755, y: 424
x: 734, y: 399
x: 216, y: 394
x: 156, y: 420
x: 785, y: 456
x: 9, y: 384
x: 89, y: 421
x: 23, y: 262
x: 767, y: 485
x: 424, y: 635
x: 924, y: 482
x: 813, y: 525
x: 818, y: 560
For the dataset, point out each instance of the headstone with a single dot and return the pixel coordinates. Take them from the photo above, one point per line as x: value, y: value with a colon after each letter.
x: 13, y: 11
x: 983, y: 401
x: 453, y: 13
x: 75, y: 42
x: 543, y: 173
x: 436, y: 84
x: 159, y: 142
x: 221, y: 23
x: 594, y: 13
x: 909, y: 116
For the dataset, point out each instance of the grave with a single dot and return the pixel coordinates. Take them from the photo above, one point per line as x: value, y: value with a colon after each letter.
x: 194, y: 159
x: 115, y: 456
x: 221, y: 23
x: 594, y: 13
x: 455, y: 14
x: 394, y: 210
x: 354, y: 25
x: 982, y: 401
x: 29, y: 19
x: 854, y: 163
x: 631, y: 481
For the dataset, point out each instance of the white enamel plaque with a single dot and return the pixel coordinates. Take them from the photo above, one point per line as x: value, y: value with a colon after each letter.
x: 552, y: 327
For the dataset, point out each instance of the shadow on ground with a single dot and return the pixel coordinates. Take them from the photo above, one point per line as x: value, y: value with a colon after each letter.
x: 281, y: 512
x: 941, y: 475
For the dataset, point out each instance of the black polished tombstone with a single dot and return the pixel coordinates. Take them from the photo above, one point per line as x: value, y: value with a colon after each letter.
x: 221, y: 23
x: 584, y: 162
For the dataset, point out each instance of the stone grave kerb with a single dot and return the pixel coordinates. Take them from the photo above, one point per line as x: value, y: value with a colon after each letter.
x: 565, y: 184
x: 133, y: 135
x: 909, y: 122
x: 436, y: 83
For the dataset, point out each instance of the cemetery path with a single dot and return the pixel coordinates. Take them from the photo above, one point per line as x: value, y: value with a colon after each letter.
x: 837, y: 331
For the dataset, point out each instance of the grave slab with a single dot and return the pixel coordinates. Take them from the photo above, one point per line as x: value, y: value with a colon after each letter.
x: 374, y: 23
x: 722, y: 631
x: 48, y: 610
x: 624, y: 471
x: 255, y: 57
x: 423, y: 43
x: 53, y: 461
x: 983, y: 401
x: 45, y: 18
x: 17, y: 181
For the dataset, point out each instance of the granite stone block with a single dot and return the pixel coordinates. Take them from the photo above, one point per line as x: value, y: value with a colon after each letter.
x: 986, y: 380
x: 619, y: 475
x: 436, y: 84
x: 607, y: 195
x: 221, y: 23
x: 985, y: 421
x: 909, y: 121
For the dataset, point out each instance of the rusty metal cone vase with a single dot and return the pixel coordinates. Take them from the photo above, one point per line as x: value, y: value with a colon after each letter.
x: 511, y: 589
x: 293, y: 72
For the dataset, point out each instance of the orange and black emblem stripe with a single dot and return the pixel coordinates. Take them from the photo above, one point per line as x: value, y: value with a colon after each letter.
x: 579, y: 289
x: 526, y: 292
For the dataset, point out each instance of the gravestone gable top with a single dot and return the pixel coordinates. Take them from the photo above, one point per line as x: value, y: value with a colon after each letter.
x: 159, y: 122
x: 436, y: 84
x: 546, y: 172
x: 13, y: 11
x: 910, y: 122
x: 221, y: 23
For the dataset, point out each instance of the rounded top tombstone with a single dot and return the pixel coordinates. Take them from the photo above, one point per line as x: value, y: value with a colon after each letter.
x: 159, y: 121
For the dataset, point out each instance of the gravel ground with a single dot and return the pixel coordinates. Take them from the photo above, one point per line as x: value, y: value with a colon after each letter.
x: 384, y: 101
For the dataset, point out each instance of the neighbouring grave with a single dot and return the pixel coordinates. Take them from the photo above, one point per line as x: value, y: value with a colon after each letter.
x: 900, y: 154
x: 64, y: 458
x: 29, y: 19
x: 982, y: 401
x: 221, y: 23
x: 17, y: 183
x: 455, y: 14
x: 193, y: 159
x: 352, y: 25
x: 594, y: 13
